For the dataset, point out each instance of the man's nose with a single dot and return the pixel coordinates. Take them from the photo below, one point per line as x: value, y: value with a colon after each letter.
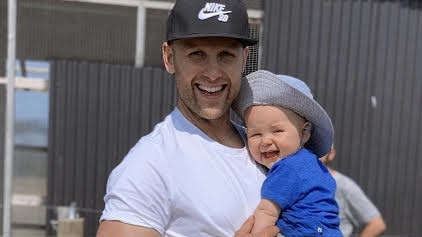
x: 213, y: 69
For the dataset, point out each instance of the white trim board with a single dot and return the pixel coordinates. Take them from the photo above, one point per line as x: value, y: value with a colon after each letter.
x: 29, y: 83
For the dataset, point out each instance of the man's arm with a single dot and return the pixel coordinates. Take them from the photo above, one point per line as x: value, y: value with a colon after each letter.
x: 246, y: 228
x: 117, y: 228
x: 265, y: 214
x: 374, y: 227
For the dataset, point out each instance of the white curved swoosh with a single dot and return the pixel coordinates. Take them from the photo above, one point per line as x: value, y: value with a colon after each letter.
x: 203, y: 16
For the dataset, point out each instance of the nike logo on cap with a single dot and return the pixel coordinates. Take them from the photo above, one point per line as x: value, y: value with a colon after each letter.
x: 212, y: 10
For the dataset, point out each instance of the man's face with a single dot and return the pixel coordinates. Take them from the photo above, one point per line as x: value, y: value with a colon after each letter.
x: 207, y: 72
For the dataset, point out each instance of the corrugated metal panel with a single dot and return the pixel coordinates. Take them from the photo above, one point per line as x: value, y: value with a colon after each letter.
x: 56, y: 29
x: 3, y: 36
x: 97, y: 112
x: 362, y: 61
x: 155, y: 36
x: 3, y: 52
x: 2, y: 134
x: 253, y: 4
x: 252, y: 62
x: 49, y: 29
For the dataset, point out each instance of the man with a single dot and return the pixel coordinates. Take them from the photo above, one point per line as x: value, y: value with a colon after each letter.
x: 192, y: 175
x: 356, y: 209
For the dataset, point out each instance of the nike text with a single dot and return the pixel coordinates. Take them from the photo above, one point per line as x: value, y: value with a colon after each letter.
x: 212, y: 10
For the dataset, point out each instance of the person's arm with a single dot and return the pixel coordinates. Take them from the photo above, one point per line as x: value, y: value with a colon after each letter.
x: 246, y: 228
x: 265, y: 214
x: 374, y: 227
x: 117, y: 228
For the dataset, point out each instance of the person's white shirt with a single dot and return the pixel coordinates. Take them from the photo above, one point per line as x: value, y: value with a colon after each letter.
x: 180, y: 182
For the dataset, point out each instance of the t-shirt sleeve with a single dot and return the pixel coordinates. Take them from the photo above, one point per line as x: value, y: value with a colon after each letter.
x: 361, y: 208
x: 137, y: 189
x: 282, y: 185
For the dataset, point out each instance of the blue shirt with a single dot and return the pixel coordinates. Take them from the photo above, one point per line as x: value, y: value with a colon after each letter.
x: 304, y: 189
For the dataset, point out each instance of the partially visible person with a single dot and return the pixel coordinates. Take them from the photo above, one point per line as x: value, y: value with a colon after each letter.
x: 357, y: 212
x: 192, y: 175
x: 287, y: 130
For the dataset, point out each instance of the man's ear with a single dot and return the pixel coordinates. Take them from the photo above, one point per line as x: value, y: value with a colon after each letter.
x: 168, y: 57
x: 245, y: 58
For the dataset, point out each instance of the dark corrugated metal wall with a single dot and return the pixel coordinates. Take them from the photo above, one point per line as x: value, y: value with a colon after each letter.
x: 3, y: 51
x: 3, y: 36
x: 362, y: 60
x: 97, y: 112
x: 2, y: 134
x: 50, y: 29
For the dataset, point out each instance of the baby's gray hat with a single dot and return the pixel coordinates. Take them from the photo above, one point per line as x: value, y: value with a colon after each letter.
x: 265, y: 88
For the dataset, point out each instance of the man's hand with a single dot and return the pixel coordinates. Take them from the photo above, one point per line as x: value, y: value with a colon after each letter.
x: 245, y: 230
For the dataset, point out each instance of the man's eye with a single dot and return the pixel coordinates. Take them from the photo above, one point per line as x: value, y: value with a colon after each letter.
x: 227, y: 57
x: 197, y: 54
x: 226, y: 54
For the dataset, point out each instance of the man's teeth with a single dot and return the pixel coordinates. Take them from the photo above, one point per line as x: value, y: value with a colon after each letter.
x: 210, y: 89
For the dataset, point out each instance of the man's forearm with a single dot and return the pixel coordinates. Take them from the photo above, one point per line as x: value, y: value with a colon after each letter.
x: 374, y: 228
x: 116, y: 228
x: 246, y: 228
x: 265, y: 214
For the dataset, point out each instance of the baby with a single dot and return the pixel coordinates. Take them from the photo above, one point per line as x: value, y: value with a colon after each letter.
x: 287, y: 131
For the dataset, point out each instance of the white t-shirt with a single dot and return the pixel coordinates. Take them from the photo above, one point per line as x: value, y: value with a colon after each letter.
x: 180, y: 182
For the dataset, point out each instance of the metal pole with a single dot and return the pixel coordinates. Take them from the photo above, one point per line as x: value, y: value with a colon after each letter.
x: 140, y: 35
x: 10, y: 118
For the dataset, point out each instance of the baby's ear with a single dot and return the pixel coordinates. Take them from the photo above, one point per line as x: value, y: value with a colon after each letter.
x: 306, y: 132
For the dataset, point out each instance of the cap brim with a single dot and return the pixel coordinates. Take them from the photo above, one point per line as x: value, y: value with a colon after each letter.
x: 244, y: 41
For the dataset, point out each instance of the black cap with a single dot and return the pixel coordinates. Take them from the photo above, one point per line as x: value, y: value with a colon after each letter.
x: 213, y: 18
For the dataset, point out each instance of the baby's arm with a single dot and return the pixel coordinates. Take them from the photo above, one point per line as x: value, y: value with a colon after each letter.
x: 266, y: 214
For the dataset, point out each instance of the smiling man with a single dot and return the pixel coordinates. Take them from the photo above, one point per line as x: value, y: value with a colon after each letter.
x: 192, y: 175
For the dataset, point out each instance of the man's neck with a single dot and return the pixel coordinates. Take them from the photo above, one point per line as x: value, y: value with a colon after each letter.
x: 220, y: 130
